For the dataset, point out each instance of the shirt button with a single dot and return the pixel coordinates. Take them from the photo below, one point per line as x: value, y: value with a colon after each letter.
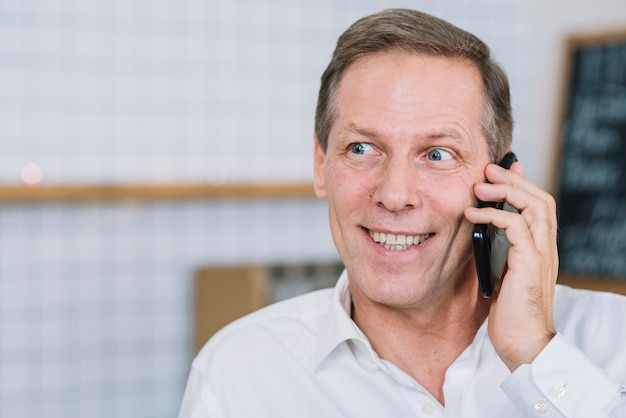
x: 541, y: 406
x: 428, y: 408
x: 559, y: 391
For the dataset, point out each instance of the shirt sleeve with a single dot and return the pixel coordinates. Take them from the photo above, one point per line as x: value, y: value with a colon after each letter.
x: 563, y: 382
x: 197, y: 401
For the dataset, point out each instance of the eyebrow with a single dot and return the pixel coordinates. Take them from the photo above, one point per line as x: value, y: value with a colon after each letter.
x: 439, y: 134
x: 354, y: 129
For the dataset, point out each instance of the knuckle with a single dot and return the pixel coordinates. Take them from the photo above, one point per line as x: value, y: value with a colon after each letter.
x: 551, y: 202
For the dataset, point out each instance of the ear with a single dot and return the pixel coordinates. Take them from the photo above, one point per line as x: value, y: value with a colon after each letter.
x: 318, y: 167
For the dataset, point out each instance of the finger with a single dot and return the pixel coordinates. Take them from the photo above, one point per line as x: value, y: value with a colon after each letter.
x: 517, y: 167
x: 524, y: 247
x: 514, y: 177
x: 537, y: 212
x: 522, y: 193
x: 513, y: 224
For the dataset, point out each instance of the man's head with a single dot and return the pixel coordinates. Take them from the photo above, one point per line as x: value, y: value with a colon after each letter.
x: 402, y: 130
x: 419, y: 33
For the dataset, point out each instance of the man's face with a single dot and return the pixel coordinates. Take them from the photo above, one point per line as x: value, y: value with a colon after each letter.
x: 403, y: 154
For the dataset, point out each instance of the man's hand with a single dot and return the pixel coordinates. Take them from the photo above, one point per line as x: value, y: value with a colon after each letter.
x: 521, y: 314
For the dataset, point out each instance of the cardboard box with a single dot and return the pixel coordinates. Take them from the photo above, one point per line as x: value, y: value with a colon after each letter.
x: 223, y: 294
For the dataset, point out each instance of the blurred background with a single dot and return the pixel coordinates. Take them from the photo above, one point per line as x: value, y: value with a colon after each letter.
x: 97, y: 298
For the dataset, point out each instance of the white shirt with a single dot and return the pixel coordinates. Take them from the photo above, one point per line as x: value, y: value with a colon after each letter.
x: 305, y: 357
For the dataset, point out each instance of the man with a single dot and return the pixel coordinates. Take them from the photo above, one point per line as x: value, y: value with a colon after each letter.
x: 411, y: 116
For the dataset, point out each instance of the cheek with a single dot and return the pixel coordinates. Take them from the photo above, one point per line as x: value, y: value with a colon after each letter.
x: 457, y: 196
x: 453, y: 195
x: 347, y: 188
x: 343, y: 202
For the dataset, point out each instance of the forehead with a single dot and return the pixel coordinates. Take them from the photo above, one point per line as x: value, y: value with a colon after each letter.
x: 409, y: 77
x: 399, y: 88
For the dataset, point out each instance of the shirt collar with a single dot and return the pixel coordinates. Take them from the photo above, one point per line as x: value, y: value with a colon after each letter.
x: 335, y: 326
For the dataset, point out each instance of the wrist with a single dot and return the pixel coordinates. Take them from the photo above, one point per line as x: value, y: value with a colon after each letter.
x: 524, y: 352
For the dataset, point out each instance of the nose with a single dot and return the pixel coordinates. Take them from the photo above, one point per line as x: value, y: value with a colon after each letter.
x: 398, y: 186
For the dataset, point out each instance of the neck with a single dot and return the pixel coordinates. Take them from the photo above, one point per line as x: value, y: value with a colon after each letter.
x: 435, y: 333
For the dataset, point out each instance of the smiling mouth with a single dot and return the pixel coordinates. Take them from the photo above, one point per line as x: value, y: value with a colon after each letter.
x: 397, y: 242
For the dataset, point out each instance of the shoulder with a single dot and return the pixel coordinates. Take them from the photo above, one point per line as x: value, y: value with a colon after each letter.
x: 569, y: 300
x: 288, y: 325
x: 578, y: 305
x: 590, y: 318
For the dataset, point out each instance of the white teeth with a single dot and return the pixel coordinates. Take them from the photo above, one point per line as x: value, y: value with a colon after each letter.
x: 397, y: 242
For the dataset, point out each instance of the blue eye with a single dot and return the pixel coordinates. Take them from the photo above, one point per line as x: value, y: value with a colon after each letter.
x: 438, y: 155
x: 360, y: 148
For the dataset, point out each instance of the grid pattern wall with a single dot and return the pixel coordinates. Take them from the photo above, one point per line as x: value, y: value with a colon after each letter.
x: 96, y: 299
x: 164, y: 90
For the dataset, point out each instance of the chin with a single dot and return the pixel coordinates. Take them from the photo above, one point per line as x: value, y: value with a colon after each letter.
x: 392, y: 288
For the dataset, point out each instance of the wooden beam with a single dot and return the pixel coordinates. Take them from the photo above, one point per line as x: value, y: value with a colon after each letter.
x: 595, y: 283
x: 12, y: 194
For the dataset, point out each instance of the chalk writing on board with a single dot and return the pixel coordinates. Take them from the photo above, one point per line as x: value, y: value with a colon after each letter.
x: 592, y: 190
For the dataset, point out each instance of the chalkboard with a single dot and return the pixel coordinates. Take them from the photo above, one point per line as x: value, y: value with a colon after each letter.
x: 592, y: 172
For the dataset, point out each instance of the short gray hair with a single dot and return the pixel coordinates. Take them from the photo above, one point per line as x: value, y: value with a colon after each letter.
x: 421, y: 33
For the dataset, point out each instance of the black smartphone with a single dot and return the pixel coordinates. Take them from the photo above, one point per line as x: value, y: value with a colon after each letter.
x: 491, y: 247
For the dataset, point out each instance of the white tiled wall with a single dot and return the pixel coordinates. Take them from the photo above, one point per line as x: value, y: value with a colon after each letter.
x: 95, y: 299
x: 95, y: 315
